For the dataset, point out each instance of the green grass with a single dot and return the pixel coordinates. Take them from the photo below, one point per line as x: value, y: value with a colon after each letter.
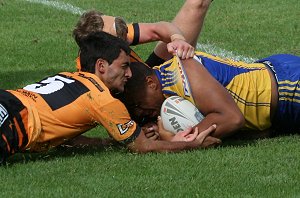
x: 36, y: 41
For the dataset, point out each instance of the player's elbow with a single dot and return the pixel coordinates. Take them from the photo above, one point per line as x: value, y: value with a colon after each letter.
x: 237, y: 120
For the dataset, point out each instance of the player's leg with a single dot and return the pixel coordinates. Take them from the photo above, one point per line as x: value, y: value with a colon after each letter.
x: 189, y: 20
x: 13, y: 115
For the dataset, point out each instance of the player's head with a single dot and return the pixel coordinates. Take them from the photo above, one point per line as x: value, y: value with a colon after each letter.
x: 108, y: 57
x: 143, y: 95
x: 95, y: 21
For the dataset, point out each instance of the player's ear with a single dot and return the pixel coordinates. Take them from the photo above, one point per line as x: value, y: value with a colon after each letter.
x: 101, y: 65
x: 151, y: 83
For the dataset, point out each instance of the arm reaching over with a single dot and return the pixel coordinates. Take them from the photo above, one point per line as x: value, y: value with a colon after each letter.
x: 185, y: 140
x: 213, y: 100
x: 168, y: 33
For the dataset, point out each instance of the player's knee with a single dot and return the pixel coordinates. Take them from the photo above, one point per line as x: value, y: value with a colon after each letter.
x: 199, y: 4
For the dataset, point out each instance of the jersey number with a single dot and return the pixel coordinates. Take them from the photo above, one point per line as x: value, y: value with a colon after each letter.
x: 58, y: 91
x: 49, y: 85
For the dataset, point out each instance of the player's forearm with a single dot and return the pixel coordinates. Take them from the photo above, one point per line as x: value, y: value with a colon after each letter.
x: 227, y: 124
x: 160, y: 146
x: 168, y: 32
x: 161, y: 31
x: 81, y: 141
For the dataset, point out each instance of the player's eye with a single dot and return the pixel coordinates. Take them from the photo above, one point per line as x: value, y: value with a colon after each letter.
x: 125, y: 66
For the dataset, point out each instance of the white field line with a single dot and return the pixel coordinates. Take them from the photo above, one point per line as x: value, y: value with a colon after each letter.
x: 214, y: 50
x: 209, y: 48
x: 59, y: 5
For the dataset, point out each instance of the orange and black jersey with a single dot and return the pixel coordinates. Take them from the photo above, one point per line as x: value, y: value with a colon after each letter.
x: 65, y: 105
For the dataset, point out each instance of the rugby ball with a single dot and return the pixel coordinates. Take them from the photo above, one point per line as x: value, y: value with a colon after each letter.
x: 177, y: 114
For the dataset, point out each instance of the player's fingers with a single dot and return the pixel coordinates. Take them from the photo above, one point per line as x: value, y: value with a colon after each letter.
x: 206, y: 132
x: 210, y: 141
x: 185, y: 51
x: 149, y: 133
x: 155, y: 136
x: 191, y: 53
x: 179, y: 52
x: 188, y: 52
x: 192, y: 136
x: 186, y: 132
x: 171, y: 48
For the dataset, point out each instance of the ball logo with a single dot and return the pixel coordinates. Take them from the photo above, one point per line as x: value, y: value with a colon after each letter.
x: 170, y: 109
x: 176, y: 126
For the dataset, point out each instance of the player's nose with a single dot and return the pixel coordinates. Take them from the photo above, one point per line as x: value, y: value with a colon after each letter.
x: 128, y: 73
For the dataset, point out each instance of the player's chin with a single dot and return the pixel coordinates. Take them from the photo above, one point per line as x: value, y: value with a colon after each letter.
x: 121, y: 88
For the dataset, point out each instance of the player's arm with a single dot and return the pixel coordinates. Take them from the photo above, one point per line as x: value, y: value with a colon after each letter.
x: 168, y: 33
x: 115, y: 118
x: 188, y: 141
x: 213, y: 100
x: 84, y: 141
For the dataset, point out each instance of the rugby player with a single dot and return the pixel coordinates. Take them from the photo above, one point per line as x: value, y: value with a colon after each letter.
x: 259, y: 99
x: 186, y: 26
x: 45, y: 114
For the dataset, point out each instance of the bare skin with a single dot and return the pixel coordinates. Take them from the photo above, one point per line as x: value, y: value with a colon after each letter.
x: 189, y: 20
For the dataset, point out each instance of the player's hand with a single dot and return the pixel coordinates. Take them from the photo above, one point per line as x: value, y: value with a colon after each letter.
x: 181, y: 48
x: 210, y: 141
x: 151, y: 131
x: 205, y: 140
x: 187, y: 135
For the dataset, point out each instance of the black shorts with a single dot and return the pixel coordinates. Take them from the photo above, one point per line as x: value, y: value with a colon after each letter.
x: 10, y: 108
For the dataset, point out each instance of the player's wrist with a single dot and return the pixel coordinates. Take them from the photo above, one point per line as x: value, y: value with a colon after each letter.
x: 177, y: 37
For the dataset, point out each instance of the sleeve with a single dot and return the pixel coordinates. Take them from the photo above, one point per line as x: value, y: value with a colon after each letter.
x: 78, y: 65
x: 133, y: 35
x: 154, y: 60
x: 115, y: 118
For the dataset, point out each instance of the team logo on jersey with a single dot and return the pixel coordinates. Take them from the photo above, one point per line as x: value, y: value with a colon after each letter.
x: 123, y: 128
x: 3, y: 114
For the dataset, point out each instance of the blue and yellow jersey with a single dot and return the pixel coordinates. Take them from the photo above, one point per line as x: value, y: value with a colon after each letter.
x: 249, y: 85
x: 65, y: 105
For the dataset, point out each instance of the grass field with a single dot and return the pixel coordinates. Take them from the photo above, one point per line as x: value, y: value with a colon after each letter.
x: 36, y: 41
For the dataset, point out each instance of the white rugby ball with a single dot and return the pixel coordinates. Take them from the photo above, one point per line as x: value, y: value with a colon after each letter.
x: 178, y: 114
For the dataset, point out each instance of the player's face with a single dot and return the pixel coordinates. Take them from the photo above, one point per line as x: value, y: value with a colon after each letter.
x: 148, y: 104
x: 118, y: 73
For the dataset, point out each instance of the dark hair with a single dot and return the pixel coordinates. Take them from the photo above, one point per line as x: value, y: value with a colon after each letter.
x: 100, y: 45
